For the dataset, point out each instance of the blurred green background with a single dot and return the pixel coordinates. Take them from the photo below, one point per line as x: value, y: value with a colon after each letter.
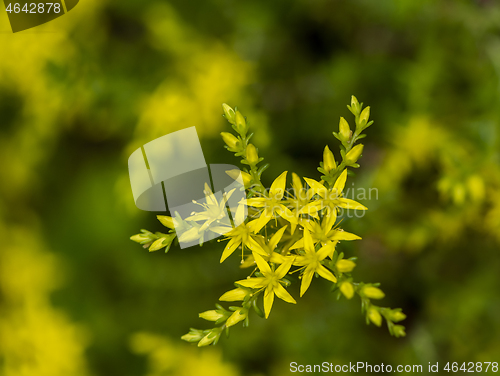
x: 79, y: 94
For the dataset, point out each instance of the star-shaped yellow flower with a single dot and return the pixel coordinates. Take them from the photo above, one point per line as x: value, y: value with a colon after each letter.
x: 214, y: 211
x: 311, y: 261
x: 270, y: 282
x: 272, y: 204
x: 266, y: 249
x: 332, y: 198
x: 324, y: 232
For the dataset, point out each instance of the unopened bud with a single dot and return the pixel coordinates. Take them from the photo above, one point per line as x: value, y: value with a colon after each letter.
x: 354, y: 154
x: 252, y: 156
x: 167, y: 221
x: 230, y: 140
x: 365, y: 115
x: 347, y: 289
x: 399, y: 330
x: 229, y: 113
x: 345, y: 266
x: 328, y: 160
x: 373, y: 292
x: 211, y: 315
x: 344, y: 130
x: 238, y: 315
x: 245, y: 176
x: 375, y: 316
x: 234, y: 295
x: 241, y: 124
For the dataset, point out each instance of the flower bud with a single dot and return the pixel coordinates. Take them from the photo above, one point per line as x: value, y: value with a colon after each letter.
x: 189, y: 235
x: 354, y: 154
x: 328, y: 160
x: 234, y: 295
x: 241, y: 124
x: 354, y: 103
x: 229, y: 113
x: 166, y: 221
x: 373, y: 292
x: 211, y: 315
x: 345, y: 266
x: 208, y: 339
x: 252, y: 156
x: 194, y: 335
x: 374, y: 316
x: 237, y: 316
x: 245, y: 176
x: 397, y: 316
x: 230, y: 140
x: 344, y: 130
x: 347, y: 289
x: 365, y: 115
x: 399, y: 330
x: 157, y: 244
x: 139, y: 238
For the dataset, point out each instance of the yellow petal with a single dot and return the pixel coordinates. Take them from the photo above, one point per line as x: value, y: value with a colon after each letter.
x: 316, y: 186
x: 276, y: 238
x: 283, y: 294
x: 268, y: 301
x: 285, y: 213
x: 256, y: 202
x: 253, y: 283
x: 230, y: 248
x: 308, y: 242
x: 326, y: 274
x: 264, y: 218
x: 296, y: 184
x: 347, y: 203
x: 306, y: 280
x: 285, y: 267
x: 298, y: 245
x: 326, y: 250
x: 262, y: 264
x: 277, y: 189
x: 340, y: 183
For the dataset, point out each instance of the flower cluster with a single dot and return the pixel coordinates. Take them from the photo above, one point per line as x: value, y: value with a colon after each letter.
x: 286, y: 232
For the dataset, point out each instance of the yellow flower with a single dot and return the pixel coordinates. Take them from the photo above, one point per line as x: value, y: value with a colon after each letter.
x: 311, y: 261
x: 240, y: 235
x: 272, y: 204
x: 266, y: 248
x: 299, y: 200
x: 324, y: 233
x: 270, y: 282
x: 332, y: 198
x: 214, y: 211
